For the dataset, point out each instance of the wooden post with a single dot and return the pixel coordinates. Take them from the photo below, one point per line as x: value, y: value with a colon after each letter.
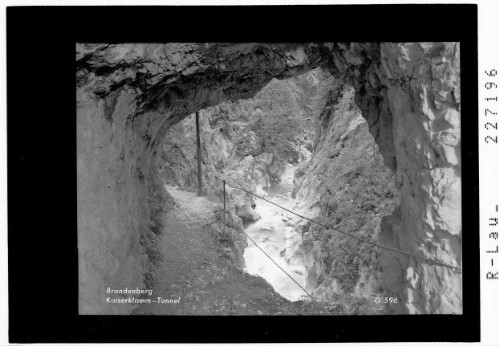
x: 224, y: 206
x: 198, y: 137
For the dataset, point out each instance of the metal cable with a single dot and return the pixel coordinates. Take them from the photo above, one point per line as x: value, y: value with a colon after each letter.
x: 268, y: 256
x: 435, y: 262
x: 285, y: 272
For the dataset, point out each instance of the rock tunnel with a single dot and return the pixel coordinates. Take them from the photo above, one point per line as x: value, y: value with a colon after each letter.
x: 129, y: 95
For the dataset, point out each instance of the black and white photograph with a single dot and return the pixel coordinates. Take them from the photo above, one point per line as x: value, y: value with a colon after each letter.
x: 269, y: 179
x: 251, y: 173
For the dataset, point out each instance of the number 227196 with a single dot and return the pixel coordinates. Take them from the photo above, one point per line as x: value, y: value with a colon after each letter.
x: 490, y: 125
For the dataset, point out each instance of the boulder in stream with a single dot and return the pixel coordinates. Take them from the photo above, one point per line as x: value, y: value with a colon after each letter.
x: 246, y: 213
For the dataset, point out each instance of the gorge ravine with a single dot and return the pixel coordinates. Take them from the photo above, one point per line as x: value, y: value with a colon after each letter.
x: 129, y: 95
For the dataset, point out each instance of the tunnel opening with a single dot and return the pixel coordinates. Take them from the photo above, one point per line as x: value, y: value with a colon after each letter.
x: 126, y: 110
x: 274, y: 145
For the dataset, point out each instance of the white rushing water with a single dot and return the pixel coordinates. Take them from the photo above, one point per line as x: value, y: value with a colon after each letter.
x: 273, y: 234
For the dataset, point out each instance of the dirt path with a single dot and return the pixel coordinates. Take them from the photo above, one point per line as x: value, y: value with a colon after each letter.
x: 198, y: 274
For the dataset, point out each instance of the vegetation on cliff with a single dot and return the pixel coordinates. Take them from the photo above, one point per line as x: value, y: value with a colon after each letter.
x: 312, y: 122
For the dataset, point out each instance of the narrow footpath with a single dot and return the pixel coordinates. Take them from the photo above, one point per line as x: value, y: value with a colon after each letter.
x: 196, y: 277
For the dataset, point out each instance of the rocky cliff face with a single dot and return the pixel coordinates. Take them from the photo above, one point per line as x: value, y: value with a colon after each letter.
x: 347, y: 183
x: 251, y: 141
x: 129, y: 95
x: 422, y: 88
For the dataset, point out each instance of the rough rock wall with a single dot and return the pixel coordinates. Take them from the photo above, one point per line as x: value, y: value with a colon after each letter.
x: 119, y: 201
x: 348, y: 184
x: 422, y: 88
x: 129, y: 94
x: 410, y: 95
